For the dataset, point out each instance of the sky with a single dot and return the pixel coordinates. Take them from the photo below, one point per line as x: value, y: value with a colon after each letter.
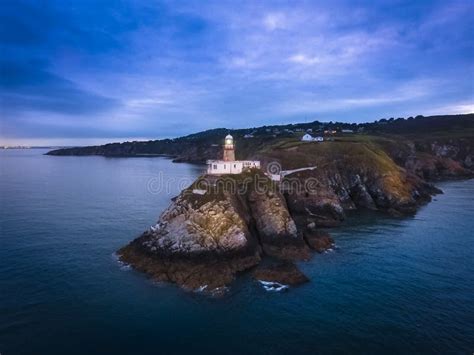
x: 96, y: 71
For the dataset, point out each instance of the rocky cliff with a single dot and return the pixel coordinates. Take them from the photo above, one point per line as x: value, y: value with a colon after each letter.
x: 433, y: 157
x: 216, y: 228
x: 220, y: 226
x: 342, y: 176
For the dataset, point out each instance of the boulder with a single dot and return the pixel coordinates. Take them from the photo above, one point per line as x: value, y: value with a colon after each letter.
x: 276, y: 229
x: 282, y: 273
x: 320, y: 205
x: 318, y: 240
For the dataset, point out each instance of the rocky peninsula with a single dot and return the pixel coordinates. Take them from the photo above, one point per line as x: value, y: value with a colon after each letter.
x: 222, y: 225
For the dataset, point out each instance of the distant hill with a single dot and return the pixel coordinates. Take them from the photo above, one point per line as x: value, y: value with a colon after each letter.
x: 204, y: 145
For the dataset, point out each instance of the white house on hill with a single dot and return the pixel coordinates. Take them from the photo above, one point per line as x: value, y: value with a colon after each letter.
x: 309, y: 138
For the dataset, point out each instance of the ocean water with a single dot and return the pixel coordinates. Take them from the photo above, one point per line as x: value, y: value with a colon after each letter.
x: 392, y: 285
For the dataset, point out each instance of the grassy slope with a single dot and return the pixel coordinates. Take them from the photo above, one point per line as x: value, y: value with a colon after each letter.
x: 361, y: 154
x: 361, y: 150
x: 220, y: 187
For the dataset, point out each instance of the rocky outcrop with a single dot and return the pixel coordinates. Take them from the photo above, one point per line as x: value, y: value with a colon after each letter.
x: 434, y: 158
x: 318, y: 240
x: 432, y: 167
x: 281, y: 273
x: 214, y: 229
x: 196, y: 243
x: 322, y: 196
x: 319, y: 204
x: 277, y: 231
x: 220, y: 226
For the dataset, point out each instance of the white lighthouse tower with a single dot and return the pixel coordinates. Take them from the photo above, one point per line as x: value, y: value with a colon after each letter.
x: 229, y: 151
x: 228, y: 164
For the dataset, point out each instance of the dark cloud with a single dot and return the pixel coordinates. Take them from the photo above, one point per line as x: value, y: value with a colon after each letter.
x: 33, y: 33
x: 24, y: 24
x: 50, y: 25
x: 28, y: 86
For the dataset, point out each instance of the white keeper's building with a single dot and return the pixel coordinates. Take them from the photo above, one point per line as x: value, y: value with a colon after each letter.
x: 228, y: 165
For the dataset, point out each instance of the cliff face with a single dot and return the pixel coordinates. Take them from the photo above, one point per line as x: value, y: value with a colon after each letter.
x: 196, y: 245
x: 337, y: 191
x: 344, y: 176
x: 276, y: 228
x: 214, y: 229
x: 433, y: 157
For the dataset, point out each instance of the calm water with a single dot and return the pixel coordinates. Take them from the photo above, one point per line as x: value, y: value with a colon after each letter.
x: 393, y: 285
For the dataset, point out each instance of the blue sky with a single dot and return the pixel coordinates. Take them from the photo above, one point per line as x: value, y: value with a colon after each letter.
x: 85, y: 72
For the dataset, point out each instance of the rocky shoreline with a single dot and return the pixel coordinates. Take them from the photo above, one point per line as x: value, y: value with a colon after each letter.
x: 223, y: 225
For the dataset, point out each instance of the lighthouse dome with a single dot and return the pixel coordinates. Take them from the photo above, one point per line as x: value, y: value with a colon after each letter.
x: 229, y: 140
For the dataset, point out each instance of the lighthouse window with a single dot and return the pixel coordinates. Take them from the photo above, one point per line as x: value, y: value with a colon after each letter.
x: 224, y: 166
x: 215, y: 166
x: 235, y: 165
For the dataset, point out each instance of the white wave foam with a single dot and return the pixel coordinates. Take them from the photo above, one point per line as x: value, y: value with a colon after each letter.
x: 123, y: 266
x: 331, y: 250
x: 201, y: 288
x: 273, y: 286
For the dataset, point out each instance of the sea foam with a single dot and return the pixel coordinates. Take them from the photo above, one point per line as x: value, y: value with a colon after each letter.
x: 273, y: 286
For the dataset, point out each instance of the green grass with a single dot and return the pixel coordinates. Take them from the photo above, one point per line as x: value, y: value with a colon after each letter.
x: 364, y: 154
x: 219, y: 188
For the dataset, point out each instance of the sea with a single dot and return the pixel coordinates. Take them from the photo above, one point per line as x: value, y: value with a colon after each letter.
x: 390, y: 285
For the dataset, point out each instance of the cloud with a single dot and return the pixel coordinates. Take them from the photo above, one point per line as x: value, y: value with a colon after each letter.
x: 311, y: 46
x: 456, y: 108
x: 274, y: 21
x: 30, y: 87
x: 305, y: 60
x: 148, y: 102
x: 305, y: 103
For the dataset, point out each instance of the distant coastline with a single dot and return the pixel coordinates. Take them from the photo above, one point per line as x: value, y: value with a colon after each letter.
x: 205, y: 145
x: 35, y: 147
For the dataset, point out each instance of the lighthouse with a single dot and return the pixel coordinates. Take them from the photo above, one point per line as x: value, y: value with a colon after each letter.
x: 228, y: 164
x: 229, y: 151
